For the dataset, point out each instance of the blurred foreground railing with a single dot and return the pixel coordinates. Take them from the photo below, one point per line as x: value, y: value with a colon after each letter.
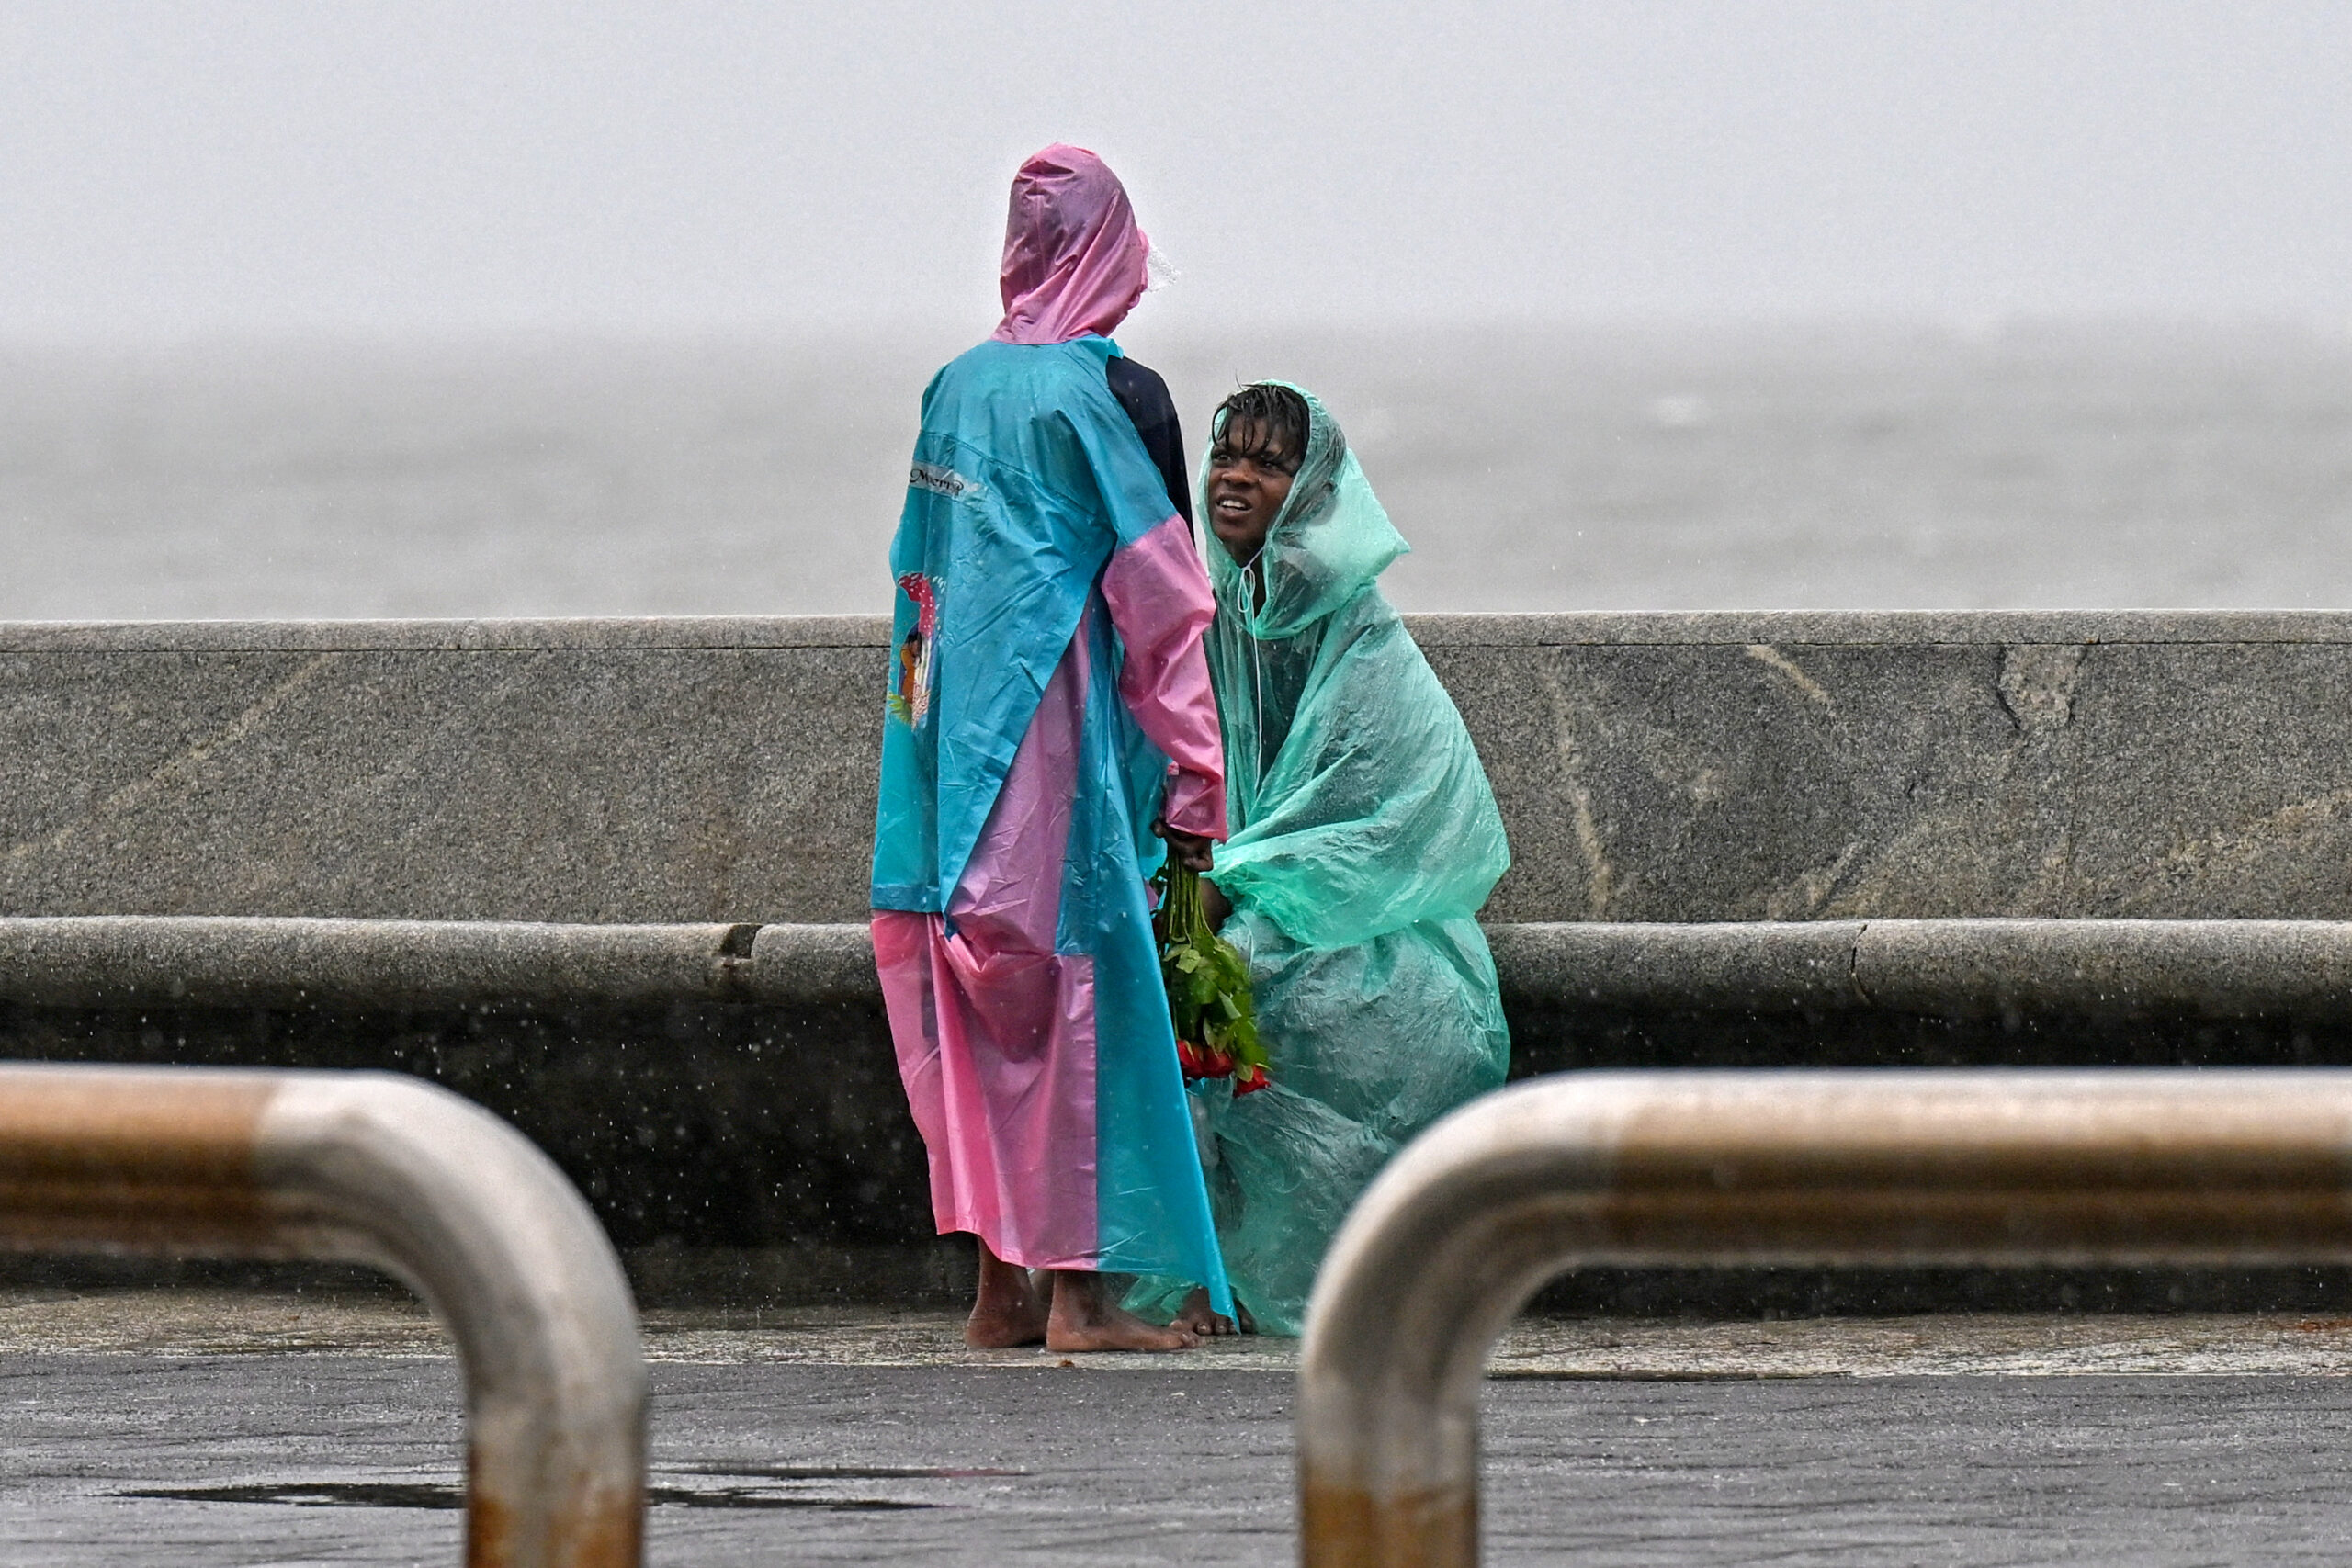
x: 1797, y: 1167
x: 390, y: 1171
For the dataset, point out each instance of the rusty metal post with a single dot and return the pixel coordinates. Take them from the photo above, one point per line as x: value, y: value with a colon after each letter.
x: 391, y: 1171
x: 1803, y: 1168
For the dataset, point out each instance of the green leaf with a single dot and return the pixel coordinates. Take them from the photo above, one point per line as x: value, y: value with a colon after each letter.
x: 1207, y: 979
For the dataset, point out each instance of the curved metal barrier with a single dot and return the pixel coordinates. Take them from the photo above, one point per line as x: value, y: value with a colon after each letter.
x: 391, y: 1171
x: 1807, y: 1167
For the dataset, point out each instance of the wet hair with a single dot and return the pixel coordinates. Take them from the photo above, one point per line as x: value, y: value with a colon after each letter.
x: 1276, y: 414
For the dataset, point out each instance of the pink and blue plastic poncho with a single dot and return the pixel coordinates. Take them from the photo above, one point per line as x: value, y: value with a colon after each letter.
x: 1049, y: 697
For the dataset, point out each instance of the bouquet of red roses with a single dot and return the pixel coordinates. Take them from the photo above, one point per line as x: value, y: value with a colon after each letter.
x: 1208, y: 990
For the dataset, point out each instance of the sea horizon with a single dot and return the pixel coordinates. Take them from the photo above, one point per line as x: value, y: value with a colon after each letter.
x: 2006, y: 463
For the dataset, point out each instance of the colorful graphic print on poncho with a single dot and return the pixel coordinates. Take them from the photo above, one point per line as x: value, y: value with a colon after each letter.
x: 909, y: 697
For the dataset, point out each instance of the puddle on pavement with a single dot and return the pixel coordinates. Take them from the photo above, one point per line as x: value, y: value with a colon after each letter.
x: 320, y: 1495
x: 449, y: 1497
x: 835, y: 1472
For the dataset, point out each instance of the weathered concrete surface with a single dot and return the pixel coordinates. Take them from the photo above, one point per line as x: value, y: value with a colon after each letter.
x: 1847, y: 767
x: 1951, y: 969
x: 244, y: 961
x: 1778, y: 966
x: 1651, y: 767
x: 277, y: 1459
x: 2106, y: 968
x: 634, y: 772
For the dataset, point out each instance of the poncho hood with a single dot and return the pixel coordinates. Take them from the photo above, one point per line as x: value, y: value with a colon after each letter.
x: 1329, y: 542
x: 1074, y: 261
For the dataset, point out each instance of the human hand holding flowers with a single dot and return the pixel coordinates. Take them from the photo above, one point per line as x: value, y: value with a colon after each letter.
x: 1192, y: 849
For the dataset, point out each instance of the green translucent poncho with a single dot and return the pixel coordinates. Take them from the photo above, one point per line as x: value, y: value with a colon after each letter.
x: 1365, y: 840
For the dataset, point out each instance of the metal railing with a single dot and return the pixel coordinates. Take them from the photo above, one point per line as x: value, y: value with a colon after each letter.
x: 391, y: 1171
x: 1804, y: 1168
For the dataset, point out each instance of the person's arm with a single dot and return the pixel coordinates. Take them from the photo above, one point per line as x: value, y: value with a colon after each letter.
x: 1158, y: 597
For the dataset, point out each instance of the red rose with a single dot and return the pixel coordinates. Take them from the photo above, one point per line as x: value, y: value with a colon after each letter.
x: 1199, y: 1061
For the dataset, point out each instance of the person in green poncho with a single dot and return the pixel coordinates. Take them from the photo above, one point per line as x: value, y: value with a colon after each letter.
x: 1364, y: 840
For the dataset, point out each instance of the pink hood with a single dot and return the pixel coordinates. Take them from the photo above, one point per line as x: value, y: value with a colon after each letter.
x: 1073, y: 256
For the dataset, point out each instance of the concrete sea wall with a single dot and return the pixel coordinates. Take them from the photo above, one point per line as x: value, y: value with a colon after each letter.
x: 1659, y: 768
x: 605, y: 876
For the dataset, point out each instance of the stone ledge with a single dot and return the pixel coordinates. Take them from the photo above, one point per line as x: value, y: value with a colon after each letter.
x: 581, y: 634
x: 1949, y: 968
x: 1943, y: 969
x: 1880, y: 628
x: 229, y: 960
x: 1727, y: 629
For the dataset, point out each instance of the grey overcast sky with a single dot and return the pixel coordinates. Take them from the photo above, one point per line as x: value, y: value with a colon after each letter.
x: 185, y: 167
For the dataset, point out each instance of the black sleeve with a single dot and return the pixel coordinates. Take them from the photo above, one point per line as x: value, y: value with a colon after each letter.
x: 1144, y: 395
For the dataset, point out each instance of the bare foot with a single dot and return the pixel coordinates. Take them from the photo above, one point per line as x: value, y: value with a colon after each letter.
x: 1084, y: 1317
x: 1008, y: 1309
x: 1197, y: 1316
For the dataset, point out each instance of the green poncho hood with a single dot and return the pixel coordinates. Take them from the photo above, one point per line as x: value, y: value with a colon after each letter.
x: 1358, y: 803
x: 1329, y: 542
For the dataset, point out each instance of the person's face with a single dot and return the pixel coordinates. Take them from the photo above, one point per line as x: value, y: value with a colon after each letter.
x: 1249, y: 475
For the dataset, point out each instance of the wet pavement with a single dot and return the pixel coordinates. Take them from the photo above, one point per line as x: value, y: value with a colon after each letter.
x: 190, y: 1428
x: 217, y: 1321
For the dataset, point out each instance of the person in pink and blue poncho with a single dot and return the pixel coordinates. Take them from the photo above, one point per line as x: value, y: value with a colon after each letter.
x: 1049, y: 733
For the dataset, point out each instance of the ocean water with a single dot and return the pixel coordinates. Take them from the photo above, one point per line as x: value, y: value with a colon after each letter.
x: 2025, y: 466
